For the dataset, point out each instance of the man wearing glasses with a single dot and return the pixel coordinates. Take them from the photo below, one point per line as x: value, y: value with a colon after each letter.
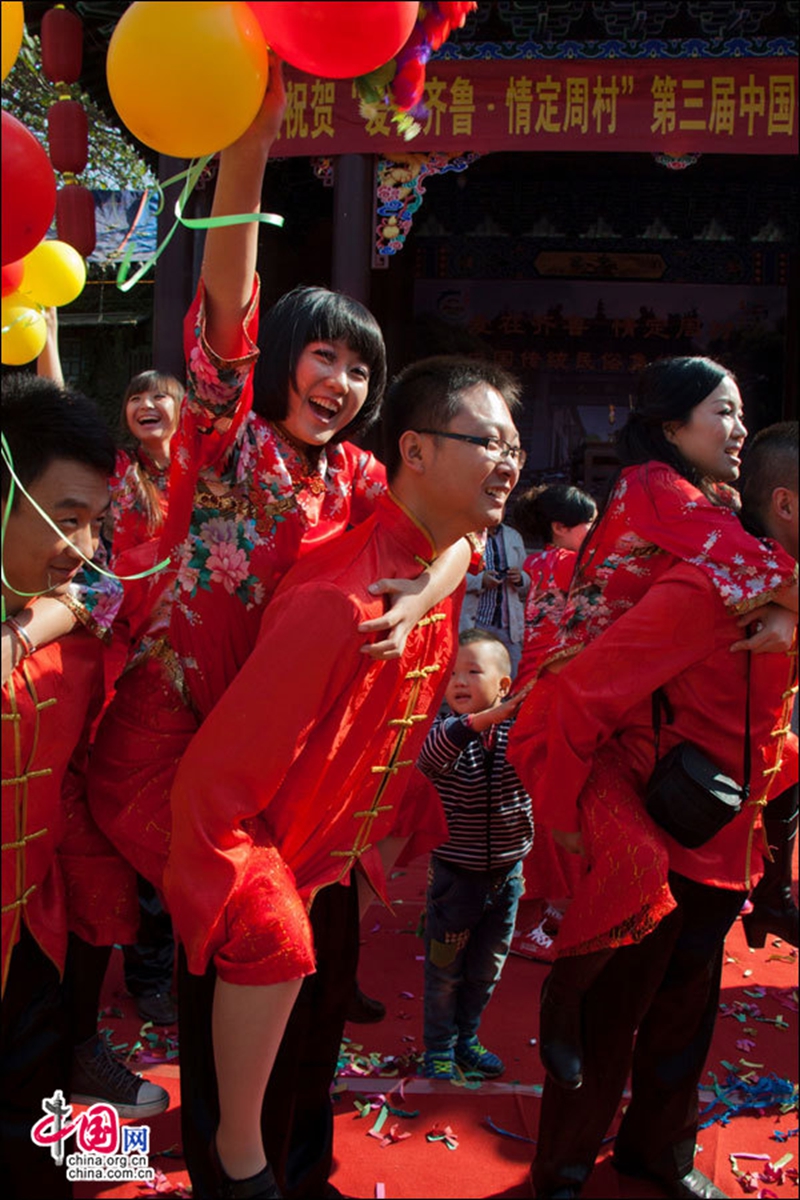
x: 298, y: 774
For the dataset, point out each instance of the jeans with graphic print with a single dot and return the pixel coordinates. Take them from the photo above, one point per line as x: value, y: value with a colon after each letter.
x: 469, y: 924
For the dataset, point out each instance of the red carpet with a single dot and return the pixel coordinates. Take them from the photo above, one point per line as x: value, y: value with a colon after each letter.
x: 475, y: 1160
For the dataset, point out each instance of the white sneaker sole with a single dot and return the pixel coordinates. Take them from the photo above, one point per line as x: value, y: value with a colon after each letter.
x: 126, y: 1111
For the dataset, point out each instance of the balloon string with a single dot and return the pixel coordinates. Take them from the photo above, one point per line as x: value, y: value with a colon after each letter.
x: 190, y: 178
x: 24, y: 317
x: 16, y: 483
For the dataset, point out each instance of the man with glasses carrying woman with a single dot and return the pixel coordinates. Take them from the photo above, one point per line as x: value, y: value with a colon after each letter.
x: 300, y: 770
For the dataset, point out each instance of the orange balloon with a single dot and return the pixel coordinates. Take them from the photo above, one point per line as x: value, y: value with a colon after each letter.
x: 187, y: 79
x: 13, y: 22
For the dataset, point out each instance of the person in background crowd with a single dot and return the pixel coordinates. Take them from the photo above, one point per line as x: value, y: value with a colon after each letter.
x: 559, y: 516
x: 495, y: 599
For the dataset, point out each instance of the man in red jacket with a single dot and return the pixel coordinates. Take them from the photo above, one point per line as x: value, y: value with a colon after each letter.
x: 298, y: 774
x: 652, y: 1008
x: 62, y: 882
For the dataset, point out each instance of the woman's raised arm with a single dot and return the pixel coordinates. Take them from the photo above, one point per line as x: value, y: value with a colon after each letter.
x: 229, y: 261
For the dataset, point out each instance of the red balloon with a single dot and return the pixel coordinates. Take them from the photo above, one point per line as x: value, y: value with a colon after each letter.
x: 340, y: 39
x: 12, y: 276
x: 28, y: 190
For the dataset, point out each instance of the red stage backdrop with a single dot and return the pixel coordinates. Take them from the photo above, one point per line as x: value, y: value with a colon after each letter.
x: 673, y: 106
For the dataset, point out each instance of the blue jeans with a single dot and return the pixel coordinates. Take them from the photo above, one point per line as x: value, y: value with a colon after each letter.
x: 469, y: 924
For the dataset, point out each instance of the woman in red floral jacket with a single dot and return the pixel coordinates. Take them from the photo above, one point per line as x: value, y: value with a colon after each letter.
x: 258, y: 477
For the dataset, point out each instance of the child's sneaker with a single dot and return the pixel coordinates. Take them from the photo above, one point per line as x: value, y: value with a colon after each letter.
x: 440, y: 1064
x: 474, y: 1057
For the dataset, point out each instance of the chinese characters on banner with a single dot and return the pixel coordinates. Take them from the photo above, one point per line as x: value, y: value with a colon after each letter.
x: 610, y: 328
x: 674, y: 106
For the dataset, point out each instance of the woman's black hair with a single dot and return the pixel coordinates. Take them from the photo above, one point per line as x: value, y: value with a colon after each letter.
x: 537, y: 509
x: 315, y: 314
x: 668, y: 390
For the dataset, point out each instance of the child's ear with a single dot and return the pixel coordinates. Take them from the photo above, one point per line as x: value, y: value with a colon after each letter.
x: 504, y: 686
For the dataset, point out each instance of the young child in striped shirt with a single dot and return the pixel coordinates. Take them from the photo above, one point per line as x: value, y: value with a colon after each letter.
x: 475, y: 878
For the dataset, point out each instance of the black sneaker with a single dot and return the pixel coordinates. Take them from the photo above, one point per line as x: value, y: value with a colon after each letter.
x: 98, y: 1077
x: 157, y: 1008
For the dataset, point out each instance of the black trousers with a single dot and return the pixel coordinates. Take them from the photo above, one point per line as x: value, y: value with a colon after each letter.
x: 297, y: 1121
x: 668, y: 988
x: 149, y: 963
x: 36, y: 1058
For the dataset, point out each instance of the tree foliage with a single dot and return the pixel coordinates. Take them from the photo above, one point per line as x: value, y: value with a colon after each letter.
x: 114, y: 163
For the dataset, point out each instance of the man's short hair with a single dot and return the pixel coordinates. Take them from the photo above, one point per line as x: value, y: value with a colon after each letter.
x: 42, y: 422
x: 427, y: 394
x: 770, y: 462
x: 469, y: 637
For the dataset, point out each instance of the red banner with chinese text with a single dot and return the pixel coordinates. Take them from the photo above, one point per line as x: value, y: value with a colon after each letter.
x: 673, y: 106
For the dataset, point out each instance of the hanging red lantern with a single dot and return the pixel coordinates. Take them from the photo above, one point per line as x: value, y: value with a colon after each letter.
x: 68, y: 128
x: 62, y: 45
x: 75, y: 221
x: 68, y: 136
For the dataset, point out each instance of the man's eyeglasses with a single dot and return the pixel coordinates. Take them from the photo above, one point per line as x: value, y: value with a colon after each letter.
x: 494, y: 447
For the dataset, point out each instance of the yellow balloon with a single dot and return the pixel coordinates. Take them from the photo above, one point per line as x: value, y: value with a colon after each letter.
x: 187, y: 78
x: 54, y: 274
x: 12, y: 19
x: 24, y: 331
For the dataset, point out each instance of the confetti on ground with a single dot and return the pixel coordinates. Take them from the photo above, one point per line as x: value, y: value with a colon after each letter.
x: 739, y: 1095
x: 353, y: 1062
x: 162, y: 1187
x: 773, y: 1172
x: 517, y: 1137
x: 444, y: 1134
x: 391, y: 1138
